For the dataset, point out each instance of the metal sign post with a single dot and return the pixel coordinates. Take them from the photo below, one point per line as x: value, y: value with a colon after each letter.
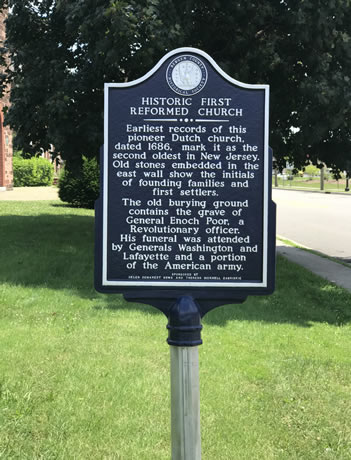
x: 184, y: 328
x: 185, y: 403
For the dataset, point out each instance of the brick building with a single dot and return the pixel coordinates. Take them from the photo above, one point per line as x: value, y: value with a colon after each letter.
x: 6, y: 171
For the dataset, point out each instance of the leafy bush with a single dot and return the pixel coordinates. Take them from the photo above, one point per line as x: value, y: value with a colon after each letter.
x: 81, y: 189
x: 32, y: 172
x: 17, y: 154
x: 312, y: 170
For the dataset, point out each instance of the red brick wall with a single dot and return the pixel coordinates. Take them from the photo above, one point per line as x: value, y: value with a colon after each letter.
x: 6, y: 171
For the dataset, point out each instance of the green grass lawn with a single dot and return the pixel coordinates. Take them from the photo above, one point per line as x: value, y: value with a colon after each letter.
x: 314, y: 184
x: 86, y: 376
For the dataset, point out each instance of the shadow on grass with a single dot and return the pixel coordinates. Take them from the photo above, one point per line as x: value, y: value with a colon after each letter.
x: 301, y: 298
x: 63, y: 205
x: 49, y: 250
x: 57, y: 251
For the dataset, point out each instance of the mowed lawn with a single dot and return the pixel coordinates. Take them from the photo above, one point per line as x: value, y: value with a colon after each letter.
x: 86, y: 376
x: 313, y: 183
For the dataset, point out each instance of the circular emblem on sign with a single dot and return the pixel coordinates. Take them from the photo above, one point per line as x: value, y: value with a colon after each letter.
x: 186, y: 75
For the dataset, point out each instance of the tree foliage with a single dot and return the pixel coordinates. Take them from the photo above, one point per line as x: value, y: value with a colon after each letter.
x: 81, y: 187
x: 62, y: 52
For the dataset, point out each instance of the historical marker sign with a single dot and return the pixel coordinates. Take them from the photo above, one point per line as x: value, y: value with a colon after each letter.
x: 186, y: 182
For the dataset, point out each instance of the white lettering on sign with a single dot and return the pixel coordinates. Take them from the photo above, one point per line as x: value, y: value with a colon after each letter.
x: 184, y: 176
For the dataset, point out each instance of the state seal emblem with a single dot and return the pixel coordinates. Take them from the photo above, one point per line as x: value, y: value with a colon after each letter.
x: 186, y: 75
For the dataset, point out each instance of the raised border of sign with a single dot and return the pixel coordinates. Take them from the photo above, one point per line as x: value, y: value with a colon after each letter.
x: 186, y: 284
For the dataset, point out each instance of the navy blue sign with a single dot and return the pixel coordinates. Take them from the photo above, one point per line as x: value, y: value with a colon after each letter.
x: 186, y: 182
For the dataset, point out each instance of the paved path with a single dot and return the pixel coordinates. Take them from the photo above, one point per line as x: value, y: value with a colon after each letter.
x: 30, y: 194
x: 323, y: 267
x: 321, y: 222
x: 316, y: 220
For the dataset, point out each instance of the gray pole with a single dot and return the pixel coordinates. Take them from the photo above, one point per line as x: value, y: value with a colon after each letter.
x: 322, y: 178
x: 276, y: 177
x: 184, y: 336
x: 185, y: 403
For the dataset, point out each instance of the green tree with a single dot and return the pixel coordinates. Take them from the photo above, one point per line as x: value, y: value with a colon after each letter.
x: 62, y: 52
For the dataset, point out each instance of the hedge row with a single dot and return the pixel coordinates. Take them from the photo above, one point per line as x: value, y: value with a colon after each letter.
x: 32, y: 172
